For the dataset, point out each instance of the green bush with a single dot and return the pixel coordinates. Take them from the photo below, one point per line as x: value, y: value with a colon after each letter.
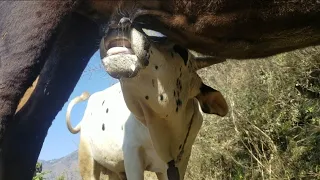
x: 38, y: 174
x: 61, y: 177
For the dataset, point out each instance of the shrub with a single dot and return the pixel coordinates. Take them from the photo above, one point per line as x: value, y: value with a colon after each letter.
x: 38, y: 174
x: 272, y: 130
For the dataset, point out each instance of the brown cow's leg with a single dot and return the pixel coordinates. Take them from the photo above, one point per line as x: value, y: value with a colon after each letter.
x: 28, y: 31
x: 74, y: 46
x: 89, y: 169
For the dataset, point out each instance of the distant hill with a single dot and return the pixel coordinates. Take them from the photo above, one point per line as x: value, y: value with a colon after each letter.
x: 67, y: 166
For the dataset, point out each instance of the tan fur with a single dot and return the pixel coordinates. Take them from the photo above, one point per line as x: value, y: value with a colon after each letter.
x: 27, y: 94
x: 88, y: 167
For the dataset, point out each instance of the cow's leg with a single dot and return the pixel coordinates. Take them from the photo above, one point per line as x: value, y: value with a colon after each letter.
x: 162, y: 176
x: 133, y: 163
x: 71, y: 51
x: 27, y: 32
x: 89, y: 168
x: 114, y: 176
x: 97, y: 168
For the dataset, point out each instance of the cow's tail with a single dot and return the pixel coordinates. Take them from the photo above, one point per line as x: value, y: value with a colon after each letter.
x: 84, y: 96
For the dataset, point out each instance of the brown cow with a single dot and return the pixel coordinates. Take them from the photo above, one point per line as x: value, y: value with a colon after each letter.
x: 227, y: 28
x: 55, y: 33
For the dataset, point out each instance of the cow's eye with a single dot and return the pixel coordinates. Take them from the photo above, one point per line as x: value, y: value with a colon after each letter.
x: 155, y: 36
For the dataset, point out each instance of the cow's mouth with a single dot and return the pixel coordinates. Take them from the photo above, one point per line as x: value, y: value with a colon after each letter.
x: 118, y: 57
x: 118, y: 46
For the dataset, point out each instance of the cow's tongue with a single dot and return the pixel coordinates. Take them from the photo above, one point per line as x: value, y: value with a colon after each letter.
x: 119, y: 50
x: 119, y: 46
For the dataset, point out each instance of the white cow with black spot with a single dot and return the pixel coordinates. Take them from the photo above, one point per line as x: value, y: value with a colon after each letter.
x: 163, y: 91
x: 110, y: 134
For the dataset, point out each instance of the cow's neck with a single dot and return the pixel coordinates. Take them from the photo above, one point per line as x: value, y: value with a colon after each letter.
x: 168, y: 134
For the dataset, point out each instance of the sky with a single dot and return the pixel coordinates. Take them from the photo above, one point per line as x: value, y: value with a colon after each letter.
x: 59, y: 141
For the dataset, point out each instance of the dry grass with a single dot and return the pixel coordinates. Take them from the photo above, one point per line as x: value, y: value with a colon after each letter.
x: 272, y: 130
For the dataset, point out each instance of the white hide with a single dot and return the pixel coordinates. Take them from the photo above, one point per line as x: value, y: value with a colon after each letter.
x: 116, y: 136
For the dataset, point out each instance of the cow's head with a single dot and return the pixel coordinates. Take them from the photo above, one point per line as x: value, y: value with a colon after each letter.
x: 162, y: 89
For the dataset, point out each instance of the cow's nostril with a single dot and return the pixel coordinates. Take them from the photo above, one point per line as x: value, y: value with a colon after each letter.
x: 125, y: 22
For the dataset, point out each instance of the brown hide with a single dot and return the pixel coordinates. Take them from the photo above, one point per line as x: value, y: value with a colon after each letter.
x: 28, y: 31
x: 231, y: 29
x: 31, y: 32
x: 27, y: 36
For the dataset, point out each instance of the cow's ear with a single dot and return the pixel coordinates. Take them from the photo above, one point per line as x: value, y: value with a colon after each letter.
x: 212, y: 101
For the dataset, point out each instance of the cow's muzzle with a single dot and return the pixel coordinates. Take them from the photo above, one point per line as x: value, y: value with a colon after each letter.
x: 117, y: 54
